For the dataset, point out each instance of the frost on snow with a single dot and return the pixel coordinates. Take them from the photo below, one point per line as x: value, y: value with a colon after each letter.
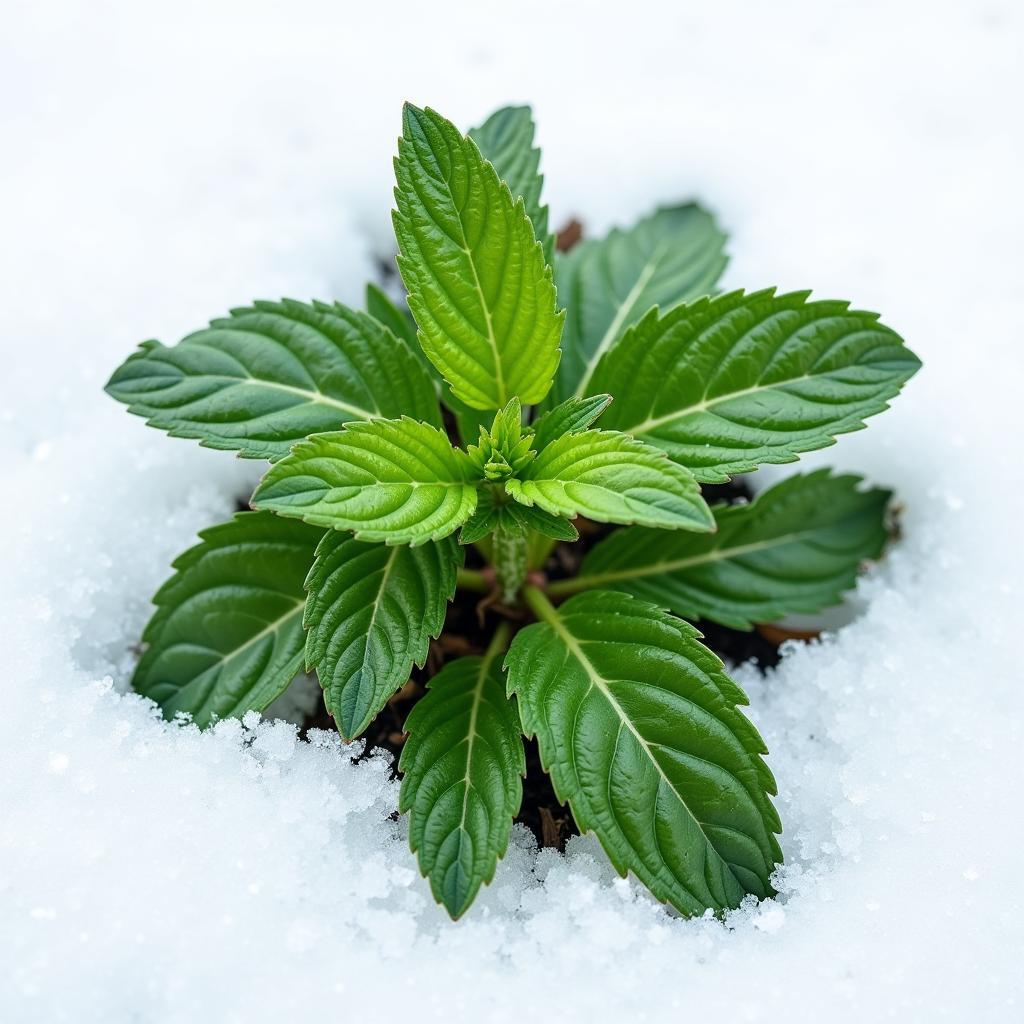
x: 152, y: 872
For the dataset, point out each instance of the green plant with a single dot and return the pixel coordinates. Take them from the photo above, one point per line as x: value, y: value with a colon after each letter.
x: 360, y: 527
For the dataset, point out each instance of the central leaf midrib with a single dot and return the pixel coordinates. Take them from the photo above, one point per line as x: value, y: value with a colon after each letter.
x: 713, y: 555
x: 386, y: 572
x: 271, y: 627
x: 499, y: 377
x: 619, y: 319
x: 472, y: 735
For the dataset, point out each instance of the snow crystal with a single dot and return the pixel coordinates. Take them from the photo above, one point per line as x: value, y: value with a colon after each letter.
x: 165, y: 165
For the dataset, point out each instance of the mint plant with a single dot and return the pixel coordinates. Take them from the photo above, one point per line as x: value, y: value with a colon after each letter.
x: 607, y: 385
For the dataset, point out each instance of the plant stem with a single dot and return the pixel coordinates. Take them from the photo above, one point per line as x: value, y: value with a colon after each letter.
x: 474, y: 580
x: 538, y: 603
x: 499, y: 642
x: 563, y: 588
x: 509, y: 552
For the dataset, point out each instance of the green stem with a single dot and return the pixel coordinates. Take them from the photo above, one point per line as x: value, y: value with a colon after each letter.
x: 474, y: 580
x: 498, y: 644
x: 538, y: 603
x: 509, y: 563
x: 563, y: 588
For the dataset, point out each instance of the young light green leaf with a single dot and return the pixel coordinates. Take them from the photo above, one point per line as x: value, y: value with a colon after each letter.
x: 795, y: 548
x: 515, y: 519
x: 612, y: 478
x: 266, y: 376
x: 396, y: 481
x: 675, y: 254
x: 727, y: 384
x: 570, y: 417
x: 506, y: 140
x: 463, y: 764
x: 478, y: 286
x: 226, y: 637
x: 639, y: 729
x: 371, y: 613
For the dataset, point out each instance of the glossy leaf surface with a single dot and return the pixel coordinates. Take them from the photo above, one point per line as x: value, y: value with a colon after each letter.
x: 795, y: 549
x: 261, y: 379
x: 607, y: 284
x: 463, y: 764
x: 639, y: 728
x: 227, y: 637
x: 371, y: 613
x: 725, y: 385
x: 612, y: 478
x: 482, y: 296
x: 396, y: 481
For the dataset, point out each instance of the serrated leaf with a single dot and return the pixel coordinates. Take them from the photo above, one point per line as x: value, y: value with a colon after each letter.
x: 396, y: 481
x: 515, y: 519
x: 506, y: 140
x: 478, y: 286
x: 570, y: 417
x: 371, y: 613
x: 267, y: 376
x: 639, y: 729
x: 226, y: 637
x: 463, y: 764
x: 795, y: 548
x: 612, y: 478
x: 727, y: 384
x: 676, y: 253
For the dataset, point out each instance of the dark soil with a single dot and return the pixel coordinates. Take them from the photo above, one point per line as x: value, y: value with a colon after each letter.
x: 469, y: 626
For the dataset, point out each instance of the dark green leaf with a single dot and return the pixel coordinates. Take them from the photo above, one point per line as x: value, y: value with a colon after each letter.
x: 639, y: 728
x: 607, y: 284
x: 506, y: 139
x: 371, y: 613
x: 796, y: 548
x: 515, y: 519
x: 264, y: 377
x: 463, y: 765
x: 226, y: 637
x: 725, y: 385
x: 398, y: 321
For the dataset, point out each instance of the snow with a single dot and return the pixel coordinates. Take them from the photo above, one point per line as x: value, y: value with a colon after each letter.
x: 165, y: 163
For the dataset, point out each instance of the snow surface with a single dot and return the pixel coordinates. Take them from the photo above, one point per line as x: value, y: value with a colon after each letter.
x: 165, y: 163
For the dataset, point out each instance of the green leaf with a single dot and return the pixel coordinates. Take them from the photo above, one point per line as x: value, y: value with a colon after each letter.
x: 796, y: 548
x: 675, y: 254
x: 463, y: 765
x: 226, y: 637
x: 515, y: 519
x: 611, y: 478
x: 396, y: 481
x: 570, y: 417
x: 639, y: 729
x: 727, y: 384
x: 371, y: 613
x: 398, y: 321
x: 506, y: 140
x: 264, y: 377
x: 478, y: 286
